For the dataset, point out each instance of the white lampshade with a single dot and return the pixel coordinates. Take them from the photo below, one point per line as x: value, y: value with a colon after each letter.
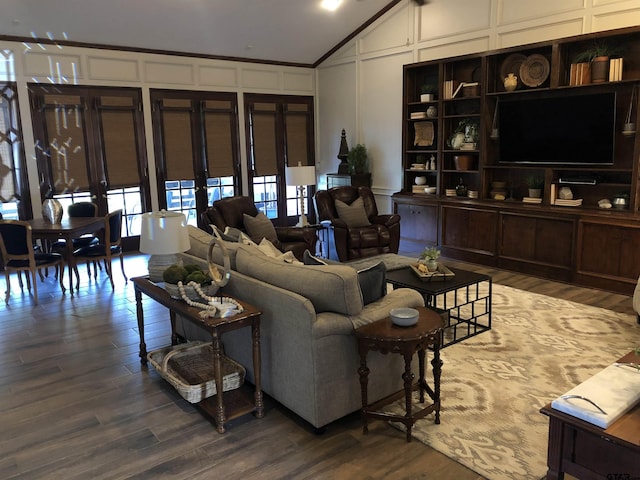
x: 163, y: 235
x: 301, y: 175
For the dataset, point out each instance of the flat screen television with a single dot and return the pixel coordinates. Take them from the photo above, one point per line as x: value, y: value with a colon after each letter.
x: 558, y: 130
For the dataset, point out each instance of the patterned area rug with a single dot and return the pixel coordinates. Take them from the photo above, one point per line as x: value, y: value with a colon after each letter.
x: 494, y: 384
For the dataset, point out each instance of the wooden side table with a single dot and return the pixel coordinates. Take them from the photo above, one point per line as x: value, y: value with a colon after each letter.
x: 234, y: 403
x: 386, y: 337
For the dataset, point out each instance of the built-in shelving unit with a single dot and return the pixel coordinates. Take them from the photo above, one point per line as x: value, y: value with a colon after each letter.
x: 469, y: 89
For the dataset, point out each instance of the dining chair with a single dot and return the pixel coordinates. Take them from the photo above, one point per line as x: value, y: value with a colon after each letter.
x: 18, y: 255
x: 107, y: 247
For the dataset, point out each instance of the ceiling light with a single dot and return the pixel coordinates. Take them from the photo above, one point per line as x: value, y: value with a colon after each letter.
x: 330, y: 5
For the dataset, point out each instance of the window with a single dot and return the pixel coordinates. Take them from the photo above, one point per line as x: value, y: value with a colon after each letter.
x: 90, y: 146
x: 279, y: 133
x: 196, y: 144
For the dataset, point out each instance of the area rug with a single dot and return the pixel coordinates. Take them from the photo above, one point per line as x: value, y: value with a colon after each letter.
x: 494, y: 384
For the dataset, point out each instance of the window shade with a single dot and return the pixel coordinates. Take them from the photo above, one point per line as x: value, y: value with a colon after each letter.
x: 265, y: 155
x: 120, y: 148
x: 178, y: 149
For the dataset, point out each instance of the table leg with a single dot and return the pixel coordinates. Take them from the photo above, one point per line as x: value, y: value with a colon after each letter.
x: 257, y: 366
x: 217, y: 370
x: 174, y: 335
x: 421, y: 381
x: 437, y: 371
x: 143, y: 346
x: 70, y: 263
x: 407, y: 376
x: 363, y: 371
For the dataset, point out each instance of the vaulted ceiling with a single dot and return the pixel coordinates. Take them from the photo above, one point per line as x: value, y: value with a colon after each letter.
x: 284, y: 31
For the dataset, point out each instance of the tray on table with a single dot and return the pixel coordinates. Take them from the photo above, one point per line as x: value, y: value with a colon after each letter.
x: 189, y: 368
x: 440, y: 275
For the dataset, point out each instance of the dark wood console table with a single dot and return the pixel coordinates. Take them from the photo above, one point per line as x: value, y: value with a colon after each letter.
x: 586, y: 451
x: 386, y: 337
x: 222, y: 408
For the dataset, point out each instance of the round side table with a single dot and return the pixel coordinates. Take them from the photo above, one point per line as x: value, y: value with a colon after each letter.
x: 386, y: 337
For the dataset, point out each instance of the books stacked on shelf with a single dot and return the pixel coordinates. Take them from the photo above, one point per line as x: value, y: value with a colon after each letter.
x: 418, y: 115
x: 531, y: 200
x: 451, y: 88
x: 576, y: 202
x: 615, y: 69
x: 580, y: 74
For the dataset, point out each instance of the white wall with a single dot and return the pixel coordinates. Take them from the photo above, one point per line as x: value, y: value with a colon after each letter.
x: 49, y: 64
x: 359, y: 88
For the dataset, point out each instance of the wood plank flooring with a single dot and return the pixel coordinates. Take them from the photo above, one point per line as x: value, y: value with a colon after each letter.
x: 75, y: 403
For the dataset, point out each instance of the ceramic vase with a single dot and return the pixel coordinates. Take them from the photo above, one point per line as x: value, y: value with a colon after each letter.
x: 432, y: 265
x: 52, y: 210
x: 510, y: 82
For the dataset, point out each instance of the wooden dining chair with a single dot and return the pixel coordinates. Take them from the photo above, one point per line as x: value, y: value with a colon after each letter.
x: 18, y: 255
x: 106, y: 248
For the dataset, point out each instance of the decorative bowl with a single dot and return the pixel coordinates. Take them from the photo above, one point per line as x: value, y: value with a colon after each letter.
x: 421, y: 180
x: 430, y: 190
x: 404, y: 317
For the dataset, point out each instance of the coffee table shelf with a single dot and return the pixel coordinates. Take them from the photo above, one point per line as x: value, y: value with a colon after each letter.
x: 464, y: 298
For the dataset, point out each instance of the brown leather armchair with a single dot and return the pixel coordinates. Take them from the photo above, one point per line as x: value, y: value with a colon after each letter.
x: 381, y: 236
x: 230, y: 212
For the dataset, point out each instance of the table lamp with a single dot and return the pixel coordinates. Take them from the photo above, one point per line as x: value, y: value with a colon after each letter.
x: 163, y: 235
x: 300, y: 176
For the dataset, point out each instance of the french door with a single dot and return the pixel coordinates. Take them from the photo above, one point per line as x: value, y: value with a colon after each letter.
x: 279, y: 132
x: 90, y: 147
x: 196, y: 148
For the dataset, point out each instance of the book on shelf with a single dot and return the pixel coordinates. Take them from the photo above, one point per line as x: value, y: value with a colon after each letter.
x: 418, y: 115
x: 576, y: 202
x: 552, y: 196
x: 615, y: 69
x: 451, y: 88
x: 531, y: 200
x: 580, y: 74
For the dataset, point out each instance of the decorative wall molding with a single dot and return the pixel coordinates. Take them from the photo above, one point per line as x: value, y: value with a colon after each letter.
x: 217, y: 76
x: 52, y: 68
x: 101, y: 68
x: 170, y: 73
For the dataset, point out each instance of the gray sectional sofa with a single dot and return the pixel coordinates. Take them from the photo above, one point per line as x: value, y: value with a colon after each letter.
x: 309, y: 353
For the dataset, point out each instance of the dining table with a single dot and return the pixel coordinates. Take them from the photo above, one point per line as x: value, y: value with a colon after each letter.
x: 68, y: 229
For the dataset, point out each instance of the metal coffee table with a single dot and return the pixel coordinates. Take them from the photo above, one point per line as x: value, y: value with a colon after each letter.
x: 465, y: 298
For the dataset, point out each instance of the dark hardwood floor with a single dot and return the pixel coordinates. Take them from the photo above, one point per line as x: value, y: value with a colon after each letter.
x: 75, y: 403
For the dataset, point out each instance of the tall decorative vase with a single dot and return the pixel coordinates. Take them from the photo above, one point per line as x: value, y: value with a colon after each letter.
x: 510, y: 82
x: 52, y: 210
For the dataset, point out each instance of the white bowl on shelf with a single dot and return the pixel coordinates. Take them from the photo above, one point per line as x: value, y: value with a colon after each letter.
x: 404, y: 317
x: 431, y: 190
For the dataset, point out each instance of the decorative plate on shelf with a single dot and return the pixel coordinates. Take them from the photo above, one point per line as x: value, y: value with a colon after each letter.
x: 534, y: 70
x: 511, y: 64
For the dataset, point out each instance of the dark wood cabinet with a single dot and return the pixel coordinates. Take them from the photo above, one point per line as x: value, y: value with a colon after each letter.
x: 494, y: 224
x: 537, y: 244
x: 419, y: 224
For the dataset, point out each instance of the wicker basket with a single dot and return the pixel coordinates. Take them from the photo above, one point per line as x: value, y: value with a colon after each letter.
x: 189, y: 368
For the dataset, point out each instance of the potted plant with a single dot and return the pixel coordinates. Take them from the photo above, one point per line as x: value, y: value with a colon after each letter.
x: 428, y: 92
x: 467, y: 131
x: 429, y: 256
x: 535, y: 185
x: 357, y: 160
x: 598, y: 55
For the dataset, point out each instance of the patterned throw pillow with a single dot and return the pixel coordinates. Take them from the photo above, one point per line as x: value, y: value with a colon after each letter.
x: 353, y: 215
x: 260, y: 227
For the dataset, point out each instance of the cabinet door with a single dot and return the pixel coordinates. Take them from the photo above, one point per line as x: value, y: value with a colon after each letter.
x: 418, y: 223
x: 537, y: 239
x: 609, y: 250
x: 469, y: 229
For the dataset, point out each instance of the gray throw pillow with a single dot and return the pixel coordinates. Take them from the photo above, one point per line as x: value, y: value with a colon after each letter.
x: 353, y: 215
x: 224, y: 235
x: 260, y: 227
x: 373, y: 282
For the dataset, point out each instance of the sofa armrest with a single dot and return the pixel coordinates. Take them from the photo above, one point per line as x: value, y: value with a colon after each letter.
x: 296, y: 234
x: 374, y: 311
x: 386, y: 220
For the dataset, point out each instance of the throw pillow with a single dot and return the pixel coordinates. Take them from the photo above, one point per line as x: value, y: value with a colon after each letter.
x: 233, y: 233
x: 199, y: 241
x: 373, y: 282
x: 309, y: 259
x: 353, y: 215
x: 245, y: 240
x: 270, y: 250
x: 260, y: 227
x: 223, y: 235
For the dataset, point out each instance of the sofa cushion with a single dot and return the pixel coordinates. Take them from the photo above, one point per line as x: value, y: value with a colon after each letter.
x: 353, y: 215
x: 260, y: 227
x: 229, y: 235
x: 372, y: 280
x: 200, y: 241
x: 330, y: 288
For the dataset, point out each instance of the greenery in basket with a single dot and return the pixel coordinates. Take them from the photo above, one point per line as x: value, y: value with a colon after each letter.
x: 599, y: 48
x: 430, y: 253
x: 428, y: 88
x: 186, y: 274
